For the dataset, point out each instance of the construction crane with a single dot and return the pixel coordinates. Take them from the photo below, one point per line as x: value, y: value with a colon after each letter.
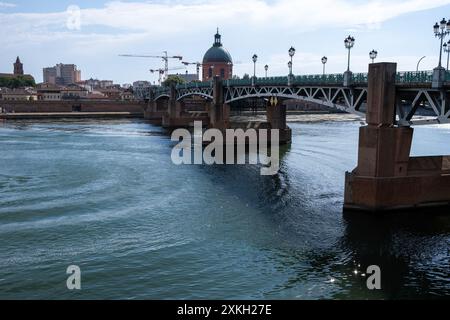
x: 161, y: 72
x: 197, y: 64
x: 165, y: 58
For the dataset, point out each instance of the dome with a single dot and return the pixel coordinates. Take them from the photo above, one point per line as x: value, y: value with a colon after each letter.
x: 217, y: 53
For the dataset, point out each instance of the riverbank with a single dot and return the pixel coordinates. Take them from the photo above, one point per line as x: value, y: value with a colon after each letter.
x: 72, y: 115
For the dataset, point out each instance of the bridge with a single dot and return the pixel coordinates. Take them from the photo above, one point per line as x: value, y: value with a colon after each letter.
x: 387, y: 177
x: 414, y: 91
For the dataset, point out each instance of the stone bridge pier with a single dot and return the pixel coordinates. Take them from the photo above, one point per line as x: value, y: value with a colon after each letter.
x: 156, y: 110
x: 219, y: 114
x: 176, y: 116
x: 387, y: 178
x: 276, y: 117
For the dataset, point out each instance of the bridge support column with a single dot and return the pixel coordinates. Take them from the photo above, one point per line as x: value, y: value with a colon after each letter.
x: 150, y: 111
x: 174, y: 109
x: 219, y: 112
x: 276, y: 116
x: 386, y: 177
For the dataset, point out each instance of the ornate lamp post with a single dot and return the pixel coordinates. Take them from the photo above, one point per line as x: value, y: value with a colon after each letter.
x: 324, y: 62
x: 441, y: 30
x: 291, y: 53
x: 290, y: 73
x: 373, y: 55
x: 254, y: 58
x: 266, y: 68
x: 290, y: 68
x: 349, y: 43
x: 447, y: 50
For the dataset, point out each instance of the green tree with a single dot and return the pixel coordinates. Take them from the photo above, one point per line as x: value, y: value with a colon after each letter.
x: 16, y: 82
x: 245, y: 76
x: 173, y: 80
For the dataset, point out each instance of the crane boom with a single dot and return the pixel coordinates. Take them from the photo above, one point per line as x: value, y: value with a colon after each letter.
x: 197, y: 64
x: 162, y: 71
x: 165, y: 58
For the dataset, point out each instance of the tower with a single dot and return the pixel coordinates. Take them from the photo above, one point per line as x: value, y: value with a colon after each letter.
x: 18, y: 67
x: 217, y: 61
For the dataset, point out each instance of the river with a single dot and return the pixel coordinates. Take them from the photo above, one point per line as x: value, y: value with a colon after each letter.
x: 105, y: 196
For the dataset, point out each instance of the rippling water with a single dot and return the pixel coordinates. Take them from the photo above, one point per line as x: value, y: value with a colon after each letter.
x: 104, y: 195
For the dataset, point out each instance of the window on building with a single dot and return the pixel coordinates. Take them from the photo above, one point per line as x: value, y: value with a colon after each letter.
x: 222, y: 73
x: 210, y: 73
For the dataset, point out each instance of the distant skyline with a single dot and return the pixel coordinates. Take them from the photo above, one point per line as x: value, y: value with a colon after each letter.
x: 44, y: 33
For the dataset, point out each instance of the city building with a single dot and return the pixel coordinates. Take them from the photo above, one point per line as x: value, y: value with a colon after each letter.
x: 217, y: 61
x: 17, y: 72
x: 48, y: 92
x: 141, y: 90
x: 110, y: 93
x: 99, y: 84
x: 51, y: 92
x: 18, y: 67
x: 62, y: 74
x: 73, y: 91
x: 188, y: 77
x: 27, y: 94
x: 127, y: 95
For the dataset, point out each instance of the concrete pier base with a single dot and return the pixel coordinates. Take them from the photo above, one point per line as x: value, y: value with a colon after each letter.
x: 387, y: 178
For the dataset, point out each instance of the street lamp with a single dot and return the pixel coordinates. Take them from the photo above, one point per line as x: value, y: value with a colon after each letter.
x: 290, y: 68
x: 266, y: 67
x: 254, y: 58
x: 349, y: 43
x: 441, y: 30
x: 324, y: 62
x: 373, y: 55
x: 418, y: 63
x: 447, y: 50
x: 291, y: 54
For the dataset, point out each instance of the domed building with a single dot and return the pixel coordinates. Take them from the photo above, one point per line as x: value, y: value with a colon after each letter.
x: 217, y: 61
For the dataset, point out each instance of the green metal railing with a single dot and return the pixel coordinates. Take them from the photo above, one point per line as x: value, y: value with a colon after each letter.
x: 409, y: 77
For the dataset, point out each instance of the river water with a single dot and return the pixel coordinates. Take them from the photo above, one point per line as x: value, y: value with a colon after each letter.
x: 105, y: 196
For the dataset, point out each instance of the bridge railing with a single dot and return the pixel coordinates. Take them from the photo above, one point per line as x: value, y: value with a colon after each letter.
x: 411, y: 77
x: 190, y: 85
x: 161, y: 90
x: 407, y: 77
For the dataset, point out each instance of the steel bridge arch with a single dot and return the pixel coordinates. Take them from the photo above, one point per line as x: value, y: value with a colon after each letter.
x: 329, y: 104
x: 162, y: 96
x: 200, y: 94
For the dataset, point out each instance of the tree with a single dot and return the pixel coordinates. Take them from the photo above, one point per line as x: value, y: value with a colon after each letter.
x: 16, y: 82
x: 245, y: 76
x: 173, y: 80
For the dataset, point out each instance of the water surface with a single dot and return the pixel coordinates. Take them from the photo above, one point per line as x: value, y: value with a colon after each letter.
x: 104, y: 195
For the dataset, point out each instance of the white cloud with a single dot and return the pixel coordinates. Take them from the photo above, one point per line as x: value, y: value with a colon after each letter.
x: 118, y: 26
x: 165, y: 19
x: 7, y: 5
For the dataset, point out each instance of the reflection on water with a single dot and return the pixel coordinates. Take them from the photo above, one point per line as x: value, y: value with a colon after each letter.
x: 104, y: 195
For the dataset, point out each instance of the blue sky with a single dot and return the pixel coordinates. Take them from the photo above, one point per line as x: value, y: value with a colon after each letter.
x: 44, y: 33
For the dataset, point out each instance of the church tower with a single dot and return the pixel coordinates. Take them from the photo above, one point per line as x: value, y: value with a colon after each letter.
x: 18, y: 67
x: 217, y: 61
